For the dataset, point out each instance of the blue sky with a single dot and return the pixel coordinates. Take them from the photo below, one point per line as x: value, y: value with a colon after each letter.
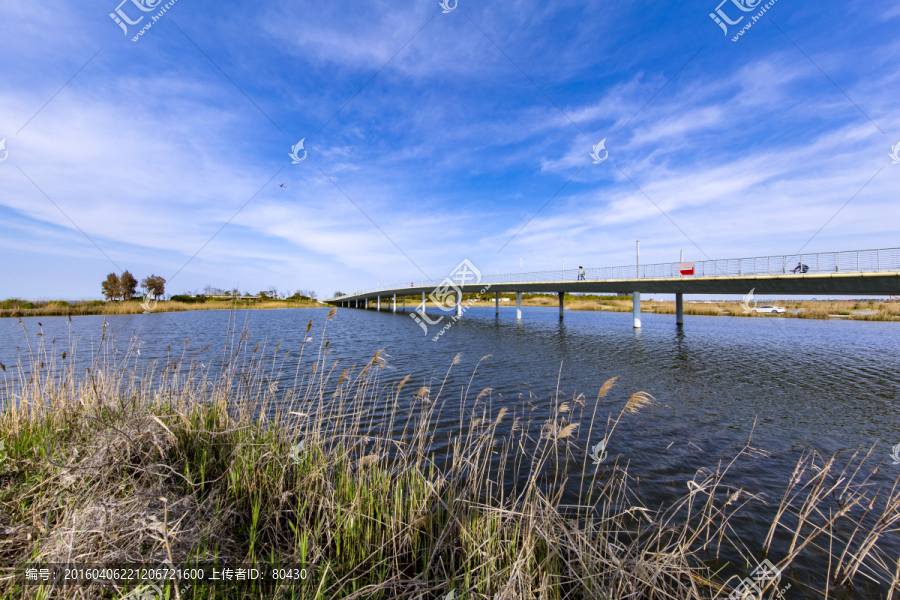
x: 750, y: 147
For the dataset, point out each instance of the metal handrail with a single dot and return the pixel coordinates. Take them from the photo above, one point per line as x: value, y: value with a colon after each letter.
x: 850, y: 261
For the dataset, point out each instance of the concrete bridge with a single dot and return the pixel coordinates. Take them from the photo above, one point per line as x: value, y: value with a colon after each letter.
x: 849, y: 273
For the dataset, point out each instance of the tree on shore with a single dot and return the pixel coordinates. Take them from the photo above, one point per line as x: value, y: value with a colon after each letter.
x: 155, y: 285
x: 112, y: 287
x: 129, y: 285
x: 338, y: 294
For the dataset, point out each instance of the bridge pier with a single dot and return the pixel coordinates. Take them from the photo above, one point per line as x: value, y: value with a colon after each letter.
x: 394, y: 304
x: 497, y: 303
x: 561, y: 296
x: 378, y: 303
x: 637, y: 310
x: 367, y: 304
x: 404, y: 303
x: 519, y: 306
x: 679, y: 309
x: 459, y: 304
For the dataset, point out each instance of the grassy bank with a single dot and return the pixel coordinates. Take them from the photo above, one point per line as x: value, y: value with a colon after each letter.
x: 60, y: 308
x: 857, y: 310
x: 348, y: 475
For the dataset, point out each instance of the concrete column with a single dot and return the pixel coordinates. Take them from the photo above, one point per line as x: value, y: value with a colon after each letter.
x: 519, y: 306
x: 378, y: 303
x: 679, y: 309
x: 561, y: 310
x: 458, y: 304
x: 404, y: 303
x: 394, y: 304
x: 367, y: 303
x: 423, y: 301
x: 637, y: 310
x: 496, y: 303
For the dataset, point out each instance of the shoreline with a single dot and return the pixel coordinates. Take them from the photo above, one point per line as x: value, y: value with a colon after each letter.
x: 65, y: 309
x: 803, y: 309
x: 796, y: 309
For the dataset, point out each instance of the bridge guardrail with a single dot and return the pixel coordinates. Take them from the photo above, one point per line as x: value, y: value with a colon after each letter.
x: 850, y: 261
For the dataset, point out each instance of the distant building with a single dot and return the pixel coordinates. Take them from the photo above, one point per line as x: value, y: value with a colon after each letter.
x: 228, y: 297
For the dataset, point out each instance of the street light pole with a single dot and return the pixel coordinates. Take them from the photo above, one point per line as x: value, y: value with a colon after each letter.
x: 639, y: 259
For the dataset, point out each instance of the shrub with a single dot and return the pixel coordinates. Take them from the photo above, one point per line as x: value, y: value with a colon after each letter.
x: 187, y: 299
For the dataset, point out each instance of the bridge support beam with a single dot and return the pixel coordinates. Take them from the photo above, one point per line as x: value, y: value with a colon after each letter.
x: 679, y: 309
x: 561, y: 309
x: 519, y: 306
x: 378, y: 303
x: 496, y: 303
x: 367, y: 304
x: 423, y: 301
x: 459, y: 304
x: 637, y: 310
x: 404, y: 303
x: 394, y: 304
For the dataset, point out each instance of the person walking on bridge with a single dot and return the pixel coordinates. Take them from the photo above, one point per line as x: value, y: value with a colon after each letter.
x: 580, y: 273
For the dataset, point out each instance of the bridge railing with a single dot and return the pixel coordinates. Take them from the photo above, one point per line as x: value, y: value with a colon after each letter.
x: 852, y: 261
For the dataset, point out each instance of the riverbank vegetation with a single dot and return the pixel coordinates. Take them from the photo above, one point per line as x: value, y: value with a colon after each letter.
x: 856, y: 310
x: 283, y: 457
x: 22, y: 308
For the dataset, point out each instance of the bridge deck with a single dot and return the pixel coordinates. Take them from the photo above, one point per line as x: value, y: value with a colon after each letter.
x: 834, y: 284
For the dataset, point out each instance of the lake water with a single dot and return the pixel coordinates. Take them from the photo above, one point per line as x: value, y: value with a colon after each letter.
x: 828, y: 385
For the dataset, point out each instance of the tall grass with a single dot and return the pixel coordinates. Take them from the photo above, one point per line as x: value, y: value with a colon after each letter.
x: 363, y: 482
x: 62, y: 308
